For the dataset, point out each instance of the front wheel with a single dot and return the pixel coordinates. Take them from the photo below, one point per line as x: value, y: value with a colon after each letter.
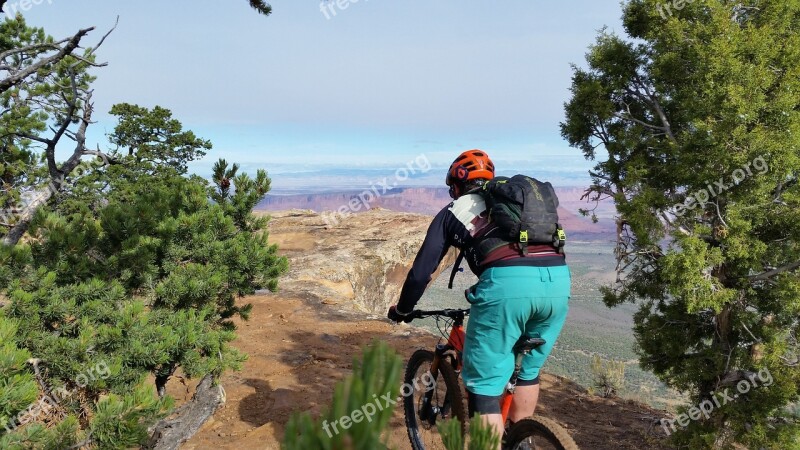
x: 434, y: 398
x: 538, y: 433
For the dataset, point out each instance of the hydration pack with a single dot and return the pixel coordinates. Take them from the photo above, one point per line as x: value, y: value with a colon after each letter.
x: 523, y: 211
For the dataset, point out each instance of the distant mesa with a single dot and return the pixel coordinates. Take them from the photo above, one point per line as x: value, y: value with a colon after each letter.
x: 430, y: 200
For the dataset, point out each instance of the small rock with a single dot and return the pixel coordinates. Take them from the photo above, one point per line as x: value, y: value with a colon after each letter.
x: 333, y: 339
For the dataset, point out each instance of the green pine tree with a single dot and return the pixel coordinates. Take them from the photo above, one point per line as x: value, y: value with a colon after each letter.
x: 693, y: 121
x: 148, y: 284
x: 481, y: 435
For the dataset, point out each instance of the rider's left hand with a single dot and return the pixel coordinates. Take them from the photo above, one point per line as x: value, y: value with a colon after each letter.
x: 395, y: 316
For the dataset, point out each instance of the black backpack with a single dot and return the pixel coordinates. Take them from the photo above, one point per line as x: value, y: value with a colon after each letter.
x: 524, y: 211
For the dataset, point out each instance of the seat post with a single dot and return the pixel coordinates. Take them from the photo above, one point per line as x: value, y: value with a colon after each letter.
x: 523, y: 347
x: 512, y: 383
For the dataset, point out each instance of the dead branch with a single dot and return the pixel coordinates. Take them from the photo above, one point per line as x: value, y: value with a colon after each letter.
x: 70, y: 46
x: 777, y: 271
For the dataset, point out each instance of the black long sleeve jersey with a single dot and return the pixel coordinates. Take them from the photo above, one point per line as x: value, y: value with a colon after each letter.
x: 461, y: 224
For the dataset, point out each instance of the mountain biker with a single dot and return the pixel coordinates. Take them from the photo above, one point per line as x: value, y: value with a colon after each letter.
x: 515, y: 294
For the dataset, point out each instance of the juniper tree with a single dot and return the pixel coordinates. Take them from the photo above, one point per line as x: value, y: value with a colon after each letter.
x: 693, y: 120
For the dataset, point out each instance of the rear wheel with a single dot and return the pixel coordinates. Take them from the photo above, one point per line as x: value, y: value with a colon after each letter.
x: 538, y: 433
x: 434, y: 398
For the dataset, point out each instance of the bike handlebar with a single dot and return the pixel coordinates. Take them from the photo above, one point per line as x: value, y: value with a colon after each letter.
x: 451, y: 313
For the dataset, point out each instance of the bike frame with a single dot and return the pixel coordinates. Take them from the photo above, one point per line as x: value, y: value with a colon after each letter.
x: 454, y: 347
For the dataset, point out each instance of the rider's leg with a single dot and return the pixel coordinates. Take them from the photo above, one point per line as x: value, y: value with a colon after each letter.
x: 489, y: 409
x: 495, y: 324
x: 526, y: 395
x: 496, y: 422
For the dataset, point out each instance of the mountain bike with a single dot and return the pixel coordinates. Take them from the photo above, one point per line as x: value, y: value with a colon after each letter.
x: 439, y: 397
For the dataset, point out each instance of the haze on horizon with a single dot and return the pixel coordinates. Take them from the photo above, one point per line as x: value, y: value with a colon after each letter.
x: 380, y: 83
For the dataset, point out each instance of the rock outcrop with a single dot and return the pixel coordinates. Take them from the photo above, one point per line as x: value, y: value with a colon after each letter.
x: 359, y: 263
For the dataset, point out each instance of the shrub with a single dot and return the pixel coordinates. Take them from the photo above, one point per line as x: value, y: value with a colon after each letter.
x: 609, y: 376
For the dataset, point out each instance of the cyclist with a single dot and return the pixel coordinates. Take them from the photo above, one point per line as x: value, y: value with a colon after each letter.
x: 516, y: 295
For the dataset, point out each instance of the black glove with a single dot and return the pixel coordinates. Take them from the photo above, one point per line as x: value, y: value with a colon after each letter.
x: 395, y: 316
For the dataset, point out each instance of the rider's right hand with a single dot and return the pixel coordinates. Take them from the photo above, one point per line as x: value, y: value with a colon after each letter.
x: 395, y: 316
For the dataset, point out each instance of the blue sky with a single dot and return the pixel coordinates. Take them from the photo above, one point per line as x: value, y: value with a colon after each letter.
x: 375, y: 86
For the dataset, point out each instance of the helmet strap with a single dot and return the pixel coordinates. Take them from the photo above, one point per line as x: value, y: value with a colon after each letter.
x: 455, y: 190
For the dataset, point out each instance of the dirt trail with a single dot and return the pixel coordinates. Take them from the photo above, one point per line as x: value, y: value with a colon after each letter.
x: 302, y: 340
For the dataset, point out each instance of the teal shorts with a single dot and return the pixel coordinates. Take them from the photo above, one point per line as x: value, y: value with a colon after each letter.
x: 507, y: 303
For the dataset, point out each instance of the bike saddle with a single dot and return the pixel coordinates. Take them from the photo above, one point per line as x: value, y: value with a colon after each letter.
x: 526, y: 344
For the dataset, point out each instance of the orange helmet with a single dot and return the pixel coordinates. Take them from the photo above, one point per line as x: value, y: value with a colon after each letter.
x: 470, y: 165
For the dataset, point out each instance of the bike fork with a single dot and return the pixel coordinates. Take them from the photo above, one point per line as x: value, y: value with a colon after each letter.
x: 428, y: 411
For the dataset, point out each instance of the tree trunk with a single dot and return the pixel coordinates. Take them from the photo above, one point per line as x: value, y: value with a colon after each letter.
x: 173, y: 431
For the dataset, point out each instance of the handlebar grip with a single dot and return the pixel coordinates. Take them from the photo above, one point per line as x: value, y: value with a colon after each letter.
x: 416, y: 314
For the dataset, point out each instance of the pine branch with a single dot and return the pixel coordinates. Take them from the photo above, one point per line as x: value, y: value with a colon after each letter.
x: 261, y: 6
